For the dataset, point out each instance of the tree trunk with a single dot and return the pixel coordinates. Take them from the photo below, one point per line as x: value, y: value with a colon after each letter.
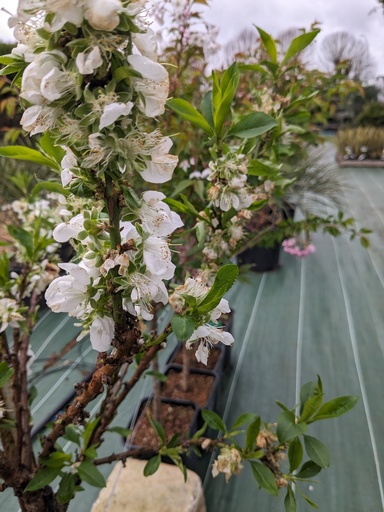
x: 42, y: 500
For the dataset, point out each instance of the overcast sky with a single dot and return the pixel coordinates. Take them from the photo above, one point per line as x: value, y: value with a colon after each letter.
x: 275, y: 16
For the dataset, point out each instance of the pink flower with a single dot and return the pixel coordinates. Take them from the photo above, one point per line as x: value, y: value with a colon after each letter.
x: 298, y: 247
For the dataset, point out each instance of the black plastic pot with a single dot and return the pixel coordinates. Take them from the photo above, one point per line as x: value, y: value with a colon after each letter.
x: 219, y: 366
x: 190, y: 460
x: 261, y: 259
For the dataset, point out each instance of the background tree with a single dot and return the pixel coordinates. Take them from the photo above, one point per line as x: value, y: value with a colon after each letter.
x: 344, y: 52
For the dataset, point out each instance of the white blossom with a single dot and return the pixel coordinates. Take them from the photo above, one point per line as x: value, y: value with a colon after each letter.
x: 39, y: 118
x: 156, y: 216
x: 157, y: 257
x: 228, y: 463
x: 101, y: 333
x: 9, y: 314
x: 161, y: 165
x: 66, y: 230
x: 154, y: 84
x: 146, y: 43
x: 145, y: 289
x: 35, y: 75
x: 66, y: 293
x: 87, y: 62
x: 103, y: 14
x: 113, y: 111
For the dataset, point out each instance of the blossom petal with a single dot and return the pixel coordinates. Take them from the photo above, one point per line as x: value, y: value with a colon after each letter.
x: 113, y: 111
x: 101, y: 333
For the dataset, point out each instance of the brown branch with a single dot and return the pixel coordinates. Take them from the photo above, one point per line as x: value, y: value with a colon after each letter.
x: 111, y: 407
x: 4, y: 348
x: 105, y: 371
x: 123, y: 456
x: 24, y: 440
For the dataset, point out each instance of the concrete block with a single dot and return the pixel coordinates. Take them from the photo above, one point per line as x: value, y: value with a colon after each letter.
x: 165, y: 491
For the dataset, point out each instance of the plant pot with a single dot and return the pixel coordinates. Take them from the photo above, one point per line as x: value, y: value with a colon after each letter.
x: 260, y: 259
x: 176, y: 416
x: 215, y: 359
x: 203, y: 386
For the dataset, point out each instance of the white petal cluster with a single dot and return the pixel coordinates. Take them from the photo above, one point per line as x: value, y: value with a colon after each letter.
x: 98, y: 121
x: 9, y: 314
x: 228, y: 463
x: 229, y: 188
x: 153, y: 85
x: 208, y: 334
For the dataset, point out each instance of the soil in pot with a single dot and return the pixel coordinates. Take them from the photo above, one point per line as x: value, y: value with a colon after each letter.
x: 200, y: 386
x: 174, y: 417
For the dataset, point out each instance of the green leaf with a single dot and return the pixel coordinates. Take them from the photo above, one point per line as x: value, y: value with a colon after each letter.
x: 295, y: 454
x: 287, y: 428
x: 90, y: 453
x: 201, y: 231
x: 252, y: 433
x: 122, y: 431
x: 269, y: 44
x: 312, y: 503
x: 49, y: 186
x: 224, y: 280
x: 157, y: 375
x: 182, y: 207
x: 290, y: 500
x: 158, y: 428
x: 183, y: 327
x: 177, y: 460
x: 5, y: 373
x: 206, y: 107
x: 57, y: 460
x: 298, y: 44
x: 152, y: 465
x: 71, y: 434
x: 243, y: 419
x: 308, y: 470
x: 253, y: 125
x: 282, y: 406
x: 47, y: 145
x: 317, y: 451
x: 7, y: 59
x: 312, y: 404
x: 187, y: 111
x: 336, y: 407
x: 123, y: 73
x: 180, y: 187
x: 29, y: 155
x: 200, y: 432
x: 306, y: 391
x: 223, y: 95
x: 90, y: 474
x: 24, y: 237
x: 213, y: 420
x: 259, y: 168
x: 66, y: 488
x: 264, y: 477
x: 42, y: 478
x: 251, y: 67
x: 89, y: 428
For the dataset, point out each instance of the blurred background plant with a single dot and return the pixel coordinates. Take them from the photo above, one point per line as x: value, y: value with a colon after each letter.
x: 361, y: 143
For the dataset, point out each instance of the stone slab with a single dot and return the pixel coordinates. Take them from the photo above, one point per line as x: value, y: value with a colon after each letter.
x: 165, y: 491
